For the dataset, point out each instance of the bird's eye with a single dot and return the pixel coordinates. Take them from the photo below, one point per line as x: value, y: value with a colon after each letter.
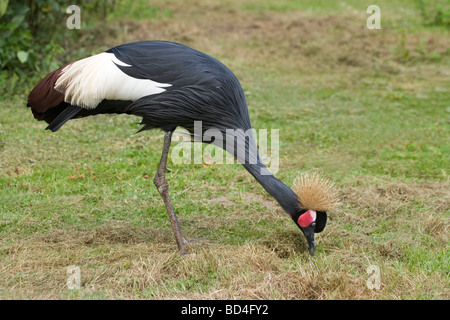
x: 313, y: 224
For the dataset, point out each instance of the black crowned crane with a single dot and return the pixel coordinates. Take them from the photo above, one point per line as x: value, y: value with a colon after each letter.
x: 171, y: 85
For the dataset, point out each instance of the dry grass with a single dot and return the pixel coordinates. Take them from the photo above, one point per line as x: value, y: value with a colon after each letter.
x: 121, y: 261
x: 214, y: 272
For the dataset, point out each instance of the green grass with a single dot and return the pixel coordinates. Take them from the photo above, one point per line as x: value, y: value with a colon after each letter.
x: 137, y: 10
x: 371, y: 117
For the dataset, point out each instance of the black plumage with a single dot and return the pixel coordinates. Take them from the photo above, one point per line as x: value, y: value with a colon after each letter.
x: 196, y: 88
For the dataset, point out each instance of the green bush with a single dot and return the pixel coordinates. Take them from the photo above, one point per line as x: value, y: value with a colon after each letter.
x: 27, y: 39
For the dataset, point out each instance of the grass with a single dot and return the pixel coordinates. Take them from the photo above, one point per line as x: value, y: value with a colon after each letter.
x: 368, y: 108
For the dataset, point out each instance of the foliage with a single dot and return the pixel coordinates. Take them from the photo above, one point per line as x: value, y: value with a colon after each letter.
x: 27, y: 38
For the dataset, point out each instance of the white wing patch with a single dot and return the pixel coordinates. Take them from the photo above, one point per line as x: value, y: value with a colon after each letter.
x: 85, y: 83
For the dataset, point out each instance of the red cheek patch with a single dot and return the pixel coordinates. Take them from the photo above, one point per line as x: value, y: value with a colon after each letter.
x: 307, y: 218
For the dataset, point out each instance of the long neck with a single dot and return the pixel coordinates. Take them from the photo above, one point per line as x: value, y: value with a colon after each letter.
x: 277, y: 189
x: 242, y: 144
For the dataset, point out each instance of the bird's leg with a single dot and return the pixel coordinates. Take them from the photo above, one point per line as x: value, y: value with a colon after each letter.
x: 163, y: 188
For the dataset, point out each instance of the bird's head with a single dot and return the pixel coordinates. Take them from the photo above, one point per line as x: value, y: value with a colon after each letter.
x: 310, y: 222
x: 316, y: 196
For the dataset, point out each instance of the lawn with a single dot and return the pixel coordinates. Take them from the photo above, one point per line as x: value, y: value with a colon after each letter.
x: 370, y: 109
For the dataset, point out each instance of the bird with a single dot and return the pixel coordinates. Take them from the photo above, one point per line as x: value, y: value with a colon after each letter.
x: 171, y: 85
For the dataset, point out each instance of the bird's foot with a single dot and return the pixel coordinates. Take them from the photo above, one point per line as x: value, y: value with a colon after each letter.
x: 184, y: 241
x: 190, y: 240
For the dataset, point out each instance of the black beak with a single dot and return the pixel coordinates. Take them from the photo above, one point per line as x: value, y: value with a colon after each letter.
x: 309, y: 234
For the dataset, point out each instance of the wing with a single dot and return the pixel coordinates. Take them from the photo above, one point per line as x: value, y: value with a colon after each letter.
x: 134, y: 70
x: 169, y: 62
x: 156, y: 71
x: 87, y: 82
